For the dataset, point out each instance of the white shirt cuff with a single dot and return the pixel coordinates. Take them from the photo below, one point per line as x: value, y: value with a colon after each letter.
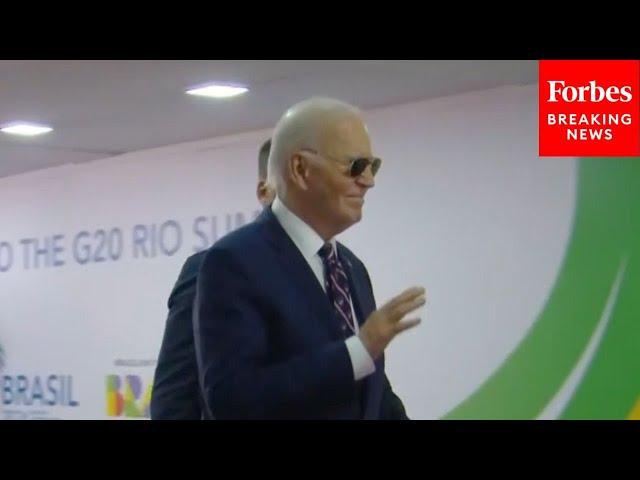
x: 361, y: 361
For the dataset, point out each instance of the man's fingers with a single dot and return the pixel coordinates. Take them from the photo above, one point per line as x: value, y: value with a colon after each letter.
x: 402, y: 309
x: 406, y: 325
x: 405, y: 296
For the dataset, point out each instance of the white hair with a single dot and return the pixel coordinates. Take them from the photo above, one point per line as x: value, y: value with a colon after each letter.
x: 299, y: 128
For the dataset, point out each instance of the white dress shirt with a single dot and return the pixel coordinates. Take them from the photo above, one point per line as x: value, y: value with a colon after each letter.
x: 309, y: 243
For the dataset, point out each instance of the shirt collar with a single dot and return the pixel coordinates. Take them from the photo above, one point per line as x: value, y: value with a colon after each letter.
x: 303, y: 236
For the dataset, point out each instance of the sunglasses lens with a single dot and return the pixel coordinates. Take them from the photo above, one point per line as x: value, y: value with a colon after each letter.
x: 360, y: 165
x: 375, y: 166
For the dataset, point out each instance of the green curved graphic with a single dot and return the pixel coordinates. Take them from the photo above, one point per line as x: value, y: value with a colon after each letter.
x: 598, y: 285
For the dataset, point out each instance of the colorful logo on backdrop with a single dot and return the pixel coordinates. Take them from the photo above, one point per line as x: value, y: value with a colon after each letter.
x: 589, y: 108
x: 128, y: 396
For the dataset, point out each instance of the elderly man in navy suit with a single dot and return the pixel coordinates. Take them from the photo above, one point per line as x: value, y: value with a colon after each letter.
x: 285, y: 321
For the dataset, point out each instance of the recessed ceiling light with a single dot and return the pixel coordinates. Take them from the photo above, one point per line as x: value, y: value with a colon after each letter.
x: 218, y: 90
x: 26, y: 129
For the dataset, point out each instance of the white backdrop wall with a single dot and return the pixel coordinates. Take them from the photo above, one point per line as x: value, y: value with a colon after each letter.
x: 463, y: 205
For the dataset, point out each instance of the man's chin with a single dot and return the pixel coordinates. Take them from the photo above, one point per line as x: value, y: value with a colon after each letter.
x: 354, y: 216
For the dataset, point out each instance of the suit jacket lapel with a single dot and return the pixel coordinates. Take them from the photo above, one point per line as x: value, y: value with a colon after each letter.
x: 364, y: 305
x: 299, y: 270
x: 361, y: 297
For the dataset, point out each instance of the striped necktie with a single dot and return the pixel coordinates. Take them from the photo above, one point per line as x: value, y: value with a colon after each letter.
x: 337, y: 286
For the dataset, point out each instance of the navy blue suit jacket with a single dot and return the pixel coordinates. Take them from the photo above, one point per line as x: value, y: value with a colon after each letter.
x: 269, y: 344
x: 176, y: 390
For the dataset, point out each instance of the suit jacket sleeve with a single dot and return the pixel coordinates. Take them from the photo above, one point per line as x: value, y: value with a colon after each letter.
x: 392, y: 407
x: 175, y: 394
x: 233, y: 344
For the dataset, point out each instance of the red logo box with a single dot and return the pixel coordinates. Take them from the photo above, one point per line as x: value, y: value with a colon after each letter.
x: 589, y: 108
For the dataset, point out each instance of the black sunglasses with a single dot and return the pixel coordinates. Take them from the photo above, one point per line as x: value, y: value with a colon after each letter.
x: 357, y: 165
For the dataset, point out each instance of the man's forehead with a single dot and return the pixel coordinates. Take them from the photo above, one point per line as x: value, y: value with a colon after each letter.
x: 346, y: 136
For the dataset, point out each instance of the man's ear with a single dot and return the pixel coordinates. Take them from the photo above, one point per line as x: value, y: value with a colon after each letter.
x: 265, y: 193
x: 299, y: 170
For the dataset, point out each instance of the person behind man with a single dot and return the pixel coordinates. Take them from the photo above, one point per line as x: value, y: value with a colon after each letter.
x: 285, y: 321
x: 176, y: 392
